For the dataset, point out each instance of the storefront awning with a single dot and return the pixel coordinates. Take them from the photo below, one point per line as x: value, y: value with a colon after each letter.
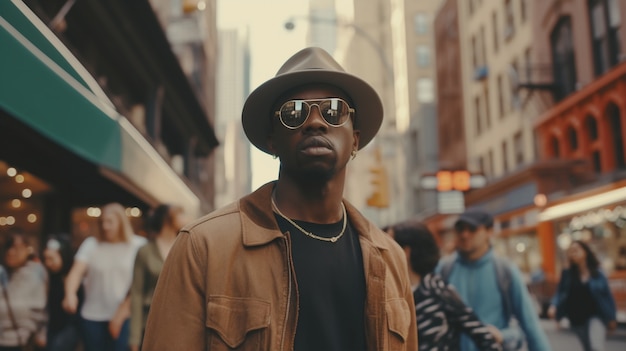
x: 45, y: 87
x: 583, y: 204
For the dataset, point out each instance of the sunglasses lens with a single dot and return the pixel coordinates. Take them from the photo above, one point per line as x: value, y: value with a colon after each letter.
x: 334, y: 111
x: 293, y: 113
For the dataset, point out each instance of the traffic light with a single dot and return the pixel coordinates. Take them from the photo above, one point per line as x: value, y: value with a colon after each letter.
x: 380, y: 182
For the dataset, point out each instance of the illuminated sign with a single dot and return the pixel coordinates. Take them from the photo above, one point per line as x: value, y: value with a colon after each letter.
x: 458, y: 180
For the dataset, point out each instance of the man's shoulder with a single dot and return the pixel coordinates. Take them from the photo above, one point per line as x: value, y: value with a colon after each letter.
x: 204, y: 225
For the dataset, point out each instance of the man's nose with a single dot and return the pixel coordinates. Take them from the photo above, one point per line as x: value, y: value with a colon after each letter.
x: 315, y: 119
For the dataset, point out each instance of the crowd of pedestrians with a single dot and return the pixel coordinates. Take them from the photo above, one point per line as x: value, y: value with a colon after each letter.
x: 95, y: 298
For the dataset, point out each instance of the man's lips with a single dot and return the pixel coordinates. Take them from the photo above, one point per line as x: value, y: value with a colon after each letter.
x: 315, y: 146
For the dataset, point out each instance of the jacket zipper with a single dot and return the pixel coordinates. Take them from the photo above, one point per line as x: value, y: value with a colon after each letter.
x: 282, y: 342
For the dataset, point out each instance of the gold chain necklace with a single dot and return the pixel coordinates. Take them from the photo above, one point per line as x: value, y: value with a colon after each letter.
x: 309, y: 234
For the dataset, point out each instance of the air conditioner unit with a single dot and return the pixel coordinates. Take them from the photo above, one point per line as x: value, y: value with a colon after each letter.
x: 481, y: 72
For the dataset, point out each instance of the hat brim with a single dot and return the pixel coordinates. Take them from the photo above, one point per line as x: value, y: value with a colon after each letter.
x: 257, y: 111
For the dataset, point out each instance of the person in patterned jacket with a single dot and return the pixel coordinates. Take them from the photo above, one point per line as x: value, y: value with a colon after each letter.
x: 441, y: 314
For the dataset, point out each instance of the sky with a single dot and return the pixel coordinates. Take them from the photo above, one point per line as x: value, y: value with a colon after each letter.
x: 270, y: 46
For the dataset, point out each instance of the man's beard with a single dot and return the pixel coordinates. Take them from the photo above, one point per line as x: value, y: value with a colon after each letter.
x: 314, y: 175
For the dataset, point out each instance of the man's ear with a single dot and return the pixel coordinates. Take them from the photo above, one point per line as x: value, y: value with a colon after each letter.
x: 356, y: 135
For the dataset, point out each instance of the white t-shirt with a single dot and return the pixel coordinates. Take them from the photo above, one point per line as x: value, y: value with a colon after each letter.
x: 109, y: 275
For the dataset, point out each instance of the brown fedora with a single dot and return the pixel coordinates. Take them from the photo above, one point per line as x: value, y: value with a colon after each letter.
x: 311, y: 65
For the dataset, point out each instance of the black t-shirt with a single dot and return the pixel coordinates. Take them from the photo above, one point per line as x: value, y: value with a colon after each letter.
x: 331, y: 287
x: 580, y: 303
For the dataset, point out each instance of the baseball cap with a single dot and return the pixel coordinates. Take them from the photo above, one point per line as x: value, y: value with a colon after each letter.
x: 475, y: 218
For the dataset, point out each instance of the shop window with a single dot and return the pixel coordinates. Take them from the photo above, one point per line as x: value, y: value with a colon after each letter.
x: 605, y: 19
x: 572, y: 138
x: 592, y: 128
x: 563, y: 59
x: 615, y: 125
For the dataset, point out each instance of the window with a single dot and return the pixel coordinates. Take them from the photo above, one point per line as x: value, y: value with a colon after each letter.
x: 605, y: 22
x: 523, y: 9
x: 494, y: 24
x: 483, y: 47
x: 500, y: 97
x: 509, y: 17
x: 527, y: 63
x: 425, y: 90
x: 572, y: 137
x: 490, y: 162
x: 591, y: 125
x: 421, y: 23
x: 505, y: 156
x: 481, y: 165
x: 422, y: 53
x: 477, y: 115
x: 474, y: 52
x: 514, y: 102
x: 615, y: 124
x: 487, y: 109
x: 563, y: 59
x: 518, y: 148
x: 556, y: 150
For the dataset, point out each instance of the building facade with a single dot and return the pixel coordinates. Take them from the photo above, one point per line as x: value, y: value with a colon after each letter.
x: 542, y: 86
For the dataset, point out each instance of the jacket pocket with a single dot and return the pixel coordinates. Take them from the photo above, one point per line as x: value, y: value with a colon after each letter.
x: 237, y: 323
x: 398, y: 323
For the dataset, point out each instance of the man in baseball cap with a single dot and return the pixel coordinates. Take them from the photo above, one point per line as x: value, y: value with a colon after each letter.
x: 292, y: 266
x: 491, y: 285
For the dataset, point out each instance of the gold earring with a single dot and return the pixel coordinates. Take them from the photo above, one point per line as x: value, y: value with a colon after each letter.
x: 353, y: 154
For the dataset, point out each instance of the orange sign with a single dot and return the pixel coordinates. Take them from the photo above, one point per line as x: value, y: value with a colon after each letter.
x: 453, y: 180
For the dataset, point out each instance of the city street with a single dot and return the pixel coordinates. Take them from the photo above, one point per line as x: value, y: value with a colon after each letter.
x: 565, y: 340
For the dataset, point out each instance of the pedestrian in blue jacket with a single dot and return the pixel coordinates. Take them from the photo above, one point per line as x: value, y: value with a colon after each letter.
x: 584, y: 298
x: 491, y: 285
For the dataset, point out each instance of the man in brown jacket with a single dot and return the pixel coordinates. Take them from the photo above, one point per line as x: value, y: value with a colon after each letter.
x: 292, y: 266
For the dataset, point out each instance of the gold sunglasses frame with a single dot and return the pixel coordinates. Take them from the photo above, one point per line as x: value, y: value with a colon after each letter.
x: 351, y: 112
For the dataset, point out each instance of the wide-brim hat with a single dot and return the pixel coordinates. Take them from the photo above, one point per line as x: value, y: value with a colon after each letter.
x: 310, y: 66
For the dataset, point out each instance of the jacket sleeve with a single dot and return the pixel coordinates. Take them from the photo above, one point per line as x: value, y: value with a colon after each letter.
x: 526, y: 314
x: 605, y: 300
x: 136, y: 301
x: 465, y: 320
x: 177, y: 315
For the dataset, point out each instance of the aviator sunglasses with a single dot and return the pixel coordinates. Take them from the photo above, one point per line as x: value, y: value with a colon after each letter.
x: 294, y: 113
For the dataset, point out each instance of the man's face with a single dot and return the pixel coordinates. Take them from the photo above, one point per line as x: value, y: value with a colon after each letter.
x: 315, y: 151
x: 471, y: 240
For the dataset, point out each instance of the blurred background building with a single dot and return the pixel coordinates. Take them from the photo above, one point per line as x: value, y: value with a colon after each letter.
x: 104, y: 101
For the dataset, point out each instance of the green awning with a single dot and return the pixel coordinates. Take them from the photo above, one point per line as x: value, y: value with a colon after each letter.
x: 44, y: 86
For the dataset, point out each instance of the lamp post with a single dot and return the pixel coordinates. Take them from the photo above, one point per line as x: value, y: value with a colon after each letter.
x: 290, y: 25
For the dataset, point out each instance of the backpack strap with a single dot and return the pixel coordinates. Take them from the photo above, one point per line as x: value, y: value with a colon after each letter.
x: 504, y: 279
x: 447, y: 263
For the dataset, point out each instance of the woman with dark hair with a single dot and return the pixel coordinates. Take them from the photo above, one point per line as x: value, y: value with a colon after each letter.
x: 58, y: 256
x: 584, y: 297
x: 441, y: 314
x: 23, y: 295
x: 163, y: 224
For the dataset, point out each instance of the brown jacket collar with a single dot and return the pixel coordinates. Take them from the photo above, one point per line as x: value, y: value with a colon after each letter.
x: 256, y: 211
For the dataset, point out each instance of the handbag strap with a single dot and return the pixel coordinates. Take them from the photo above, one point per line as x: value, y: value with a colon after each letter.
x: 12, y: 316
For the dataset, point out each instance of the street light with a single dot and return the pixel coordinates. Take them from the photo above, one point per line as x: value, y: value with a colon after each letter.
x: 290, y: 25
